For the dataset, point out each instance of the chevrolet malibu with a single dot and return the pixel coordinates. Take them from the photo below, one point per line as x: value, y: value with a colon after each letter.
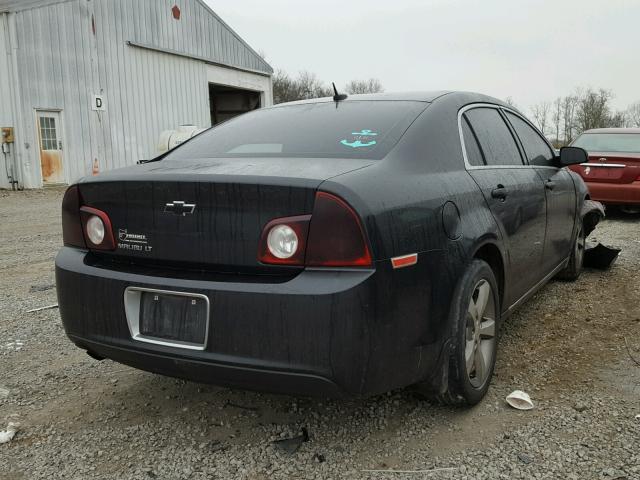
x: 335, y: 247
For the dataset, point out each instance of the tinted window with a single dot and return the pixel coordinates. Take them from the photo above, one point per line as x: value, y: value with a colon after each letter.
x: 474, y: 155
x: 350, y: 129
x: 536, y: 149
x: 496, y: 141
x: 609, y: 142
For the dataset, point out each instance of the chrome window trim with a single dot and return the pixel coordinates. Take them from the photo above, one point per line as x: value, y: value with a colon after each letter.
x: 132, y: 312
x: 468, y: 166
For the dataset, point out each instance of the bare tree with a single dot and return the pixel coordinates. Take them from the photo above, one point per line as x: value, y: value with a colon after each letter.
x: 285, y: 89
x: 306, y: 86
x: 633, y: 114
x: 509, y: 101
x: 540, y: 112
x: 593, y: 109
x: 569, y: 105
x: 618, y: 120
x: 373, y: 85
x: 312, y: 87
x: 556, y: 118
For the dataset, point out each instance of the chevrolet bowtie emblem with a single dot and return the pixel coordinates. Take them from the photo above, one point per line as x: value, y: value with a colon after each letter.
x: 179, y: 208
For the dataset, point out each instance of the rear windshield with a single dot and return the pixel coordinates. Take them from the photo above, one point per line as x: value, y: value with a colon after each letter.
x: 351, y: 129
x: 609, y: 142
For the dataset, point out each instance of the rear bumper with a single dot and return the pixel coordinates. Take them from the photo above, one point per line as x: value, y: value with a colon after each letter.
x: 323, y: 333
x: 615, y: 193
x: 204, y: 371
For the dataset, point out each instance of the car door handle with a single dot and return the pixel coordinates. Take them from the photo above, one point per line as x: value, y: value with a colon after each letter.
x: 500, y: 193
x: 550, y: 185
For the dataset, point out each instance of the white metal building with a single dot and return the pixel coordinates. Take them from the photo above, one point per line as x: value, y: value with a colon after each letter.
x: 89, y: 85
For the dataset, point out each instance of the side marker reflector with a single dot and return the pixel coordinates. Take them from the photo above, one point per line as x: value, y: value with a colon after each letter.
x: 404, y: 260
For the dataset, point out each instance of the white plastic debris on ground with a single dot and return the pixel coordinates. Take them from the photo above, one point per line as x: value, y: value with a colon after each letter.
x: 8, y: 434
x: 519, y: 400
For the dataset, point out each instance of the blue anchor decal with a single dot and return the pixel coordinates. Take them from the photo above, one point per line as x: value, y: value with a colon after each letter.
x: 357, y: 143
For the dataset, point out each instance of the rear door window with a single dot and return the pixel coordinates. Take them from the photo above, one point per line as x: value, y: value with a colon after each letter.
x: 474, y: 155
x: 497, y: 143
x: 535, y: 147
x: 348, y: 129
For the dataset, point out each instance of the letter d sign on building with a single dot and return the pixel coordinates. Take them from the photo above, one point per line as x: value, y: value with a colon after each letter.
x: 98, y: 103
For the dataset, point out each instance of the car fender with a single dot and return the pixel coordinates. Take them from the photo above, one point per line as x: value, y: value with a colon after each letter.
x: 588, y: 212
x: 591, y: 214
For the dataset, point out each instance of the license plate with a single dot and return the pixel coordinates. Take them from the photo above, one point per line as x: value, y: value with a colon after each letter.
x: 168, y: 318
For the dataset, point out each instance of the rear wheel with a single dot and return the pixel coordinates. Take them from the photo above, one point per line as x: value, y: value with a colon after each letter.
x: 475, y: 318
x: 573, y: 269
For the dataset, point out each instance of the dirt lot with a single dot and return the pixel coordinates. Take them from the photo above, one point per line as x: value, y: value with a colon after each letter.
x: 87, y: 419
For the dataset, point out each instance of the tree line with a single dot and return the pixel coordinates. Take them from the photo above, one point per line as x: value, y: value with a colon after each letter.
x: 307, y: 85
x: 563, y: 119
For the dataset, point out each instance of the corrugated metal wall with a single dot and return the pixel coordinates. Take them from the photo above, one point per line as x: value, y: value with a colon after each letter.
x: 6, y: 111
x: 73, y: 50
x: 6, y: 116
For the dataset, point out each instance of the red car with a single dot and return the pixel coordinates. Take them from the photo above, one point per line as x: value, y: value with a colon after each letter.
x: 612, y: 173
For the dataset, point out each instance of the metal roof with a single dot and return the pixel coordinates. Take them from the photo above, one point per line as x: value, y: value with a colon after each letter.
x: 258, y: 61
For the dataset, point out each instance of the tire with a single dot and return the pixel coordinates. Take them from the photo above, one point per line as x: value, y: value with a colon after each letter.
x: 574, y: 268
x: 474, y: 337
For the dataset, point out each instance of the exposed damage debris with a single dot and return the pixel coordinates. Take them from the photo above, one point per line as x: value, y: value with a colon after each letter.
x: 598, y: 256
x: 592, y: 213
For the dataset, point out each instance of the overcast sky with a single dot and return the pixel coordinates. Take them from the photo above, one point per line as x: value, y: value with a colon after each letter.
x: 529, y: 50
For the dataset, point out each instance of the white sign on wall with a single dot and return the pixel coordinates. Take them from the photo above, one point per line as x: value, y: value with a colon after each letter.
x: 98, y: 103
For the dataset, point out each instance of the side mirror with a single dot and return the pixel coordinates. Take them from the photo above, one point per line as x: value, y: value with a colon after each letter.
x: 573, y: 156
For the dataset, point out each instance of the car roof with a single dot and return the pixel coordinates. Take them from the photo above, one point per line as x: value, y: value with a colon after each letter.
x: 419, y: 96
x: 613, y: 130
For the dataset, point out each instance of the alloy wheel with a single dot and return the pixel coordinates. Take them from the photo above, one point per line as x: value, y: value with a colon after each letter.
x: 579, y: 248
x: 480, y: 334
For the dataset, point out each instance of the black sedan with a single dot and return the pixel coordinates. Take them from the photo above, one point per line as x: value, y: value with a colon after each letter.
x: 329, y: 247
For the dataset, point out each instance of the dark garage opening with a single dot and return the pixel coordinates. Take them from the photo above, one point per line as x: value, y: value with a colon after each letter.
x: 227, y: 102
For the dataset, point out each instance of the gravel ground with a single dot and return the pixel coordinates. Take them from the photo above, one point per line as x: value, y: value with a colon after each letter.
x: 86, y: 419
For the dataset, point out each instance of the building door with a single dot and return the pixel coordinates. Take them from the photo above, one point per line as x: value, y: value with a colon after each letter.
x: 50, y: 141
x: 227, y: 102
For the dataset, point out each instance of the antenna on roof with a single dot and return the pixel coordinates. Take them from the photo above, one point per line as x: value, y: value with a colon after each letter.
x: 338, y: 96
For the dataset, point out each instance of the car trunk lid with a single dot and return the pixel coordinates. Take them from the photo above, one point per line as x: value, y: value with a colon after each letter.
x: 610, y: 167
x: 205, y: 214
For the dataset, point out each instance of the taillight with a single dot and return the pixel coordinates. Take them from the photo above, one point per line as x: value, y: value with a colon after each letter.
x: 85, y: 227
x: 284, y: 240
x: 336, y: 236
x: 331, y: 237
x: 97, y: 229
x: 72, y: 235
